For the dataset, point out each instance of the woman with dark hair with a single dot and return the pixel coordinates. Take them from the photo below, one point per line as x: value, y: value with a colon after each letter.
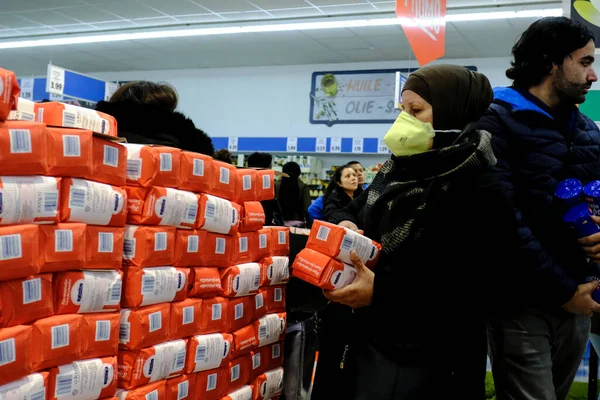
x: 145, y: 113
x: 293, y: 196
x: 340, y: 191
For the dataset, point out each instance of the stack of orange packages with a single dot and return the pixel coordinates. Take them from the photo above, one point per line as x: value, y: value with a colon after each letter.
x: 62, y: 216
x: 203, y: 307
x: 326, y: 262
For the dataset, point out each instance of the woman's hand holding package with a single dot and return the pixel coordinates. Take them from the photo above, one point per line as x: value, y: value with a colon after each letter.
x: 352, y: 226
x: 360, y: 292
x: 591, y: 244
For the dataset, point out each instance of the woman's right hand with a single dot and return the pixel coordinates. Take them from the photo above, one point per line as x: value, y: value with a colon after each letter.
x: 352, y: 226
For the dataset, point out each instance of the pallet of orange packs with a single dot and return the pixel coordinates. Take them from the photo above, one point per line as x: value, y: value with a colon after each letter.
x: 162, y: 206
x: 92, y: 203
x: 149, y: 165
x: 88, y: 379
x: 70, y: 116
x: 322, y: 271
x: 10, y: 94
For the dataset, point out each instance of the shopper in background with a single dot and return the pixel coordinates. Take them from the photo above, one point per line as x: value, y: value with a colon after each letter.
x: 340, y: 191
x: 145, y: 113
x: 224, y: 155
x: 540, y: 138
x: 420, y: 329
x: 273, y: 213
x: 293, y: 196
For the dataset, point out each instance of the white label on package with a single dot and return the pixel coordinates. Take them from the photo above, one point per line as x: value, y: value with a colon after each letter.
x: 270, y: 328
x: 129, y: 242
x: 32, y: 387
x: 248, y: 280
x: 198, y: 168
x: 273, y: 385
x: 219, y: 215
x: 97, y: 290
x: 168, y: 358
x: 339, y: 279
x: 211, y: 350
x: 178, y: 207
x: 32, y: 290
x: 245, y: 393
x: 83, y: 380
x: 159, y: 285
x: 279, y: 271
x: 134, y: 161
x: 94, y: 203
x: 83, y: 118
x: 20, y: 141
x: 363, y: 246
x: 25, y: 198
x: 125, y: 327
x: 166, y: 162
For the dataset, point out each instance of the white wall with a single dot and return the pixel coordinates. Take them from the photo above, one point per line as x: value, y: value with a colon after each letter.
x: 274, y: 101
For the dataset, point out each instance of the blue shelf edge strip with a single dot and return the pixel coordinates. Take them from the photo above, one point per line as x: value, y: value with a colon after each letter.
x: 305, y: 145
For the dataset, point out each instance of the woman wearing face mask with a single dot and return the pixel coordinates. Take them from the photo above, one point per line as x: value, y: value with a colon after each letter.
x: 340, y: 191
x: 421, y: 311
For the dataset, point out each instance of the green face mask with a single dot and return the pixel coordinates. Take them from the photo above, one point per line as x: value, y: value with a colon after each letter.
x: 409, y: 136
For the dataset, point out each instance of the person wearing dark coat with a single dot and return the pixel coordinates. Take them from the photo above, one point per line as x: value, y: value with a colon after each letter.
x: 419, y: 329
x: 145, y: 114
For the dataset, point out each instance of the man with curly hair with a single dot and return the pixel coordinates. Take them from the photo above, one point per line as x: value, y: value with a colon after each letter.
x: 538, y: 336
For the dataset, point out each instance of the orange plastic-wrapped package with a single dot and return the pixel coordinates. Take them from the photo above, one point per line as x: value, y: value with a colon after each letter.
x: 253, y: 216
x: 245, y: 188
x: 267, y: 358
x: 265, y: 243
x: 337, y: 242
x: 147, y: 286
x: 153, y: 165
x: 218, y: 215
x: 322, y: 271
x: 162, y: 206
x: 109, y: 161
x: 79, y: 292
x: 87, y: 379
x: 104, y: 247
x: 240, y: 312
x: 280, y: 240
x: 151, y: 364
x: 145, y: 326
x: 33, y: 387
x: 9, y: 92
x: 241, y: 280
x: 268, y: 385
x: 29, y: 199
x: 211, y: 385
x: 223, y: 181
x: 62, y: 247
x: 245, y: 248
x: 265, y: 186
x: 102, y: 333
x: 244, y: 341
x: 217, y: 250
x: 23, y: 147
x: 92, y: 203
x: 215, y: 312
x: 185, y: 318
x: 149, y: 246
x: 243, y: 393
x: 188, y: 251
x: 26, y: 300
x: 25, y: 111
x: 70, y: 152
x: 19, y: 251
x: 181, y: 388
x: 197, y: 172
x: 17, y: 352
x: 276, y: 270
x: 270, y: 328
x: 206, y: 352
x: 240, y: 371
x: 57, y: 340
x: 70, y: 116
x: 207, y: 282
x: 274, y: 298
x: 151, y: 391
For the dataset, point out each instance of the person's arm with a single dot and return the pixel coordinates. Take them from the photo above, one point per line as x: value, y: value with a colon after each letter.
x: 315, y: 210
x: 350, y: 212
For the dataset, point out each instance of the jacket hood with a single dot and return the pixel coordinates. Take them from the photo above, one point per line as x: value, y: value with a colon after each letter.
x: 152, y: 124
x: 517, y: 101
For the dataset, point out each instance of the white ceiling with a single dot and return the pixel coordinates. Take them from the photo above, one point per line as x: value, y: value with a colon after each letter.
x: 29, y: 18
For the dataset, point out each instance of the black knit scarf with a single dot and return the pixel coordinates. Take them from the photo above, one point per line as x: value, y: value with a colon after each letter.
x: 403, y: 192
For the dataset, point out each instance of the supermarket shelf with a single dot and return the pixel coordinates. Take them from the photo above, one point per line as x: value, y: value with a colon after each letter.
x: 304, y: 145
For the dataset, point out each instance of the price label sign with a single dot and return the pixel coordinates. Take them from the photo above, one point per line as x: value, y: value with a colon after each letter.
x: 357, y: 145
x: 109, y: 89
x: 321, y: 146
x: 292, y: 145
x: 232, y: 144
x: 27, y: 89
x: 382, y: 147
x: 336, y: 145
x: 55, y: 83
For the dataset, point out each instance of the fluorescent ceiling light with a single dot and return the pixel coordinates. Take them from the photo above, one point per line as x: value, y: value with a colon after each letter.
x: 274, y: 27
